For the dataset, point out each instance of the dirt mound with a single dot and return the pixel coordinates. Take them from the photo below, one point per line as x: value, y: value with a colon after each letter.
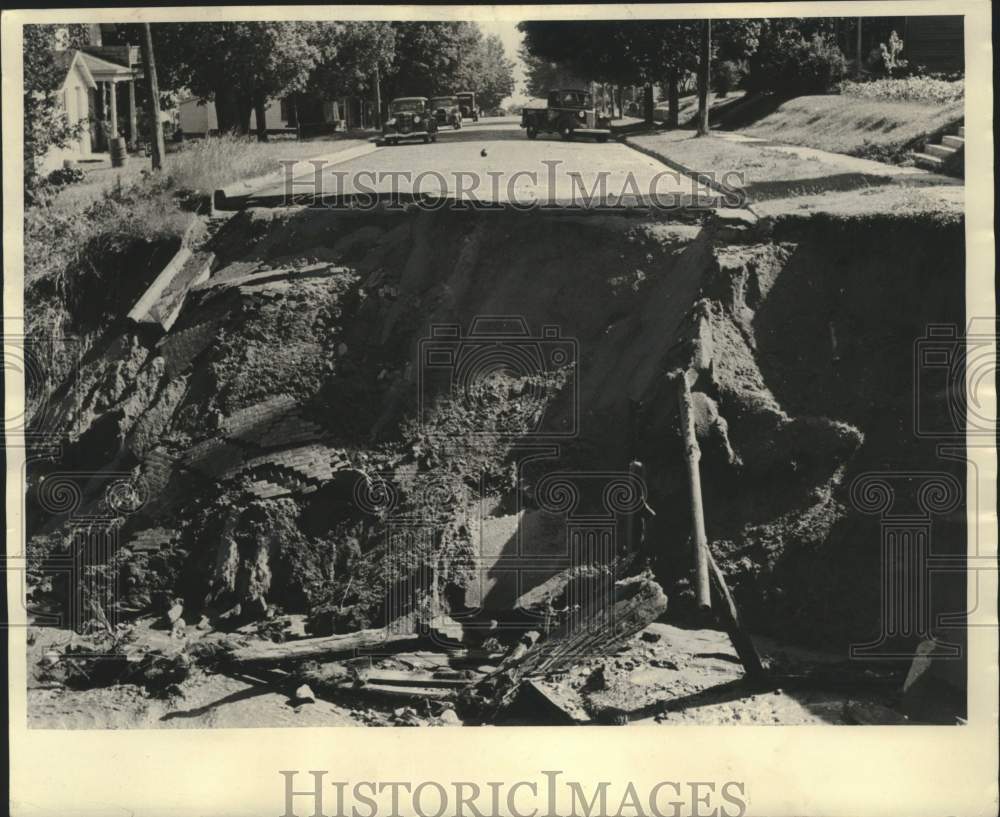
x: 354, y: 405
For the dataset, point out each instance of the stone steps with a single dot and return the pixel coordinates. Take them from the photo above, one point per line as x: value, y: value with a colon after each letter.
x: 935, y: 157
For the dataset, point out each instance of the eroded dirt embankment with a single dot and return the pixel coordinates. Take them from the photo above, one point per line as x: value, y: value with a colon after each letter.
x: 297, y: 443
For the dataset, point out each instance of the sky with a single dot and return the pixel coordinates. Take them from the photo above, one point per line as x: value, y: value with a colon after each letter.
x: 507, y: 31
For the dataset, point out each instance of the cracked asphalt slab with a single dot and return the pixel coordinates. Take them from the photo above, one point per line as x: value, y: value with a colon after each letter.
x: 494, y: 163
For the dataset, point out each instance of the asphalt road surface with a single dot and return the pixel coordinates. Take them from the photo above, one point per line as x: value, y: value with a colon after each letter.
x: 493, y: 162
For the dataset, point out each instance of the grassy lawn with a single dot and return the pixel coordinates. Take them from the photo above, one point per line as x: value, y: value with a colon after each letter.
x: 775, y: 173
x: 763, y: 172
x: 872, y: 129
x: 203, y: 165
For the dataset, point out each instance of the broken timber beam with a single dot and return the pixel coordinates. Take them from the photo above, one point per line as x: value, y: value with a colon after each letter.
x: 329, y: 646
x: 692, y: 454
x: 729, y: 617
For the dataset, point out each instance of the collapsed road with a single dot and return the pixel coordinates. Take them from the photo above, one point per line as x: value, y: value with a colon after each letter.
x: 410, y: 466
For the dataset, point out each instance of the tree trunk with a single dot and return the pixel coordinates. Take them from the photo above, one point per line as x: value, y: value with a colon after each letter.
x: 673, y: 100
x: 226, y: 113
x: 244, y: 107
x: 704, y: 72
x: 647, y: 102
x: 157, y: 148
x: 260, y: 113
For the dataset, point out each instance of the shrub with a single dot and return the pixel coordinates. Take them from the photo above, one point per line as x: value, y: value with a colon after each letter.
x: 793, y: 64
x: 727, y: 76
x: 908, y: 89
x: 892, y: 62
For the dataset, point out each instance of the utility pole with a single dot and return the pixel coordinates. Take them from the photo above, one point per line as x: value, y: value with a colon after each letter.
x: 378, y: 98
x: 704, y: 74
x: 858, y: 69
x: 153, y: 92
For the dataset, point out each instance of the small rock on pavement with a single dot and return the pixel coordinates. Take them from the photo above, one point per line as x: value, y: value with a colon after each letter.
x: 304, y: 695
x: 450, y: 718
x: 650, y: 636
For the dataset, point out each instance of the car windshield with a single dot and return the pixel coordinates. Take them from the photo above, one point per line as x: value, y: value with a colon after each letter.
x: 575, y: 98
x: 407, y: 105
x: 442, y: 101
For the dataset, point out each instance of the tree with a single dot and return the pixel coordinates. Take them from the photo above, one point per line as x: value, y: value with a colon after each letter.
x: 239, y: 65
x: 428, y: 57
x: 352, y: 55
x: 633, y: 52
x: 45, y: 122
x: 486, y: 70
x: 542, y: 75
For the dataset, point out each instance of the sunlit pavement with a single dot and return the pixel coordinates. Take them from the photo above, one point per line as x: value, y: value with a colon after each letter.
x: 493, y: 162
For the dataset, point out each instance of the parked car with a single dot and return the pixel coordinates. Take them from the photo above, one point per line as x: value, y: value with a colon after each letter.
x: 567, y: 112
x: 410, y: 117
x: 447, y: 111
x: 467, y: 103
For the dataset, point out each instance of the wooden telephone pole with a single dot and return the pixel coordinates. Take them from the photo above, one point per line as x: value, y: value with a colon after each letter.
x: 704, y: 75
x: 157, y: 147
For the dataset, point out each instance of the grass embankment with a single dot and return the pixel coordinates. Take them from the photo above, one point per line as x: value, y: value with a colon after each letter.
x: 779, y: 178
x: 885, y: 130
x: 204, y: 165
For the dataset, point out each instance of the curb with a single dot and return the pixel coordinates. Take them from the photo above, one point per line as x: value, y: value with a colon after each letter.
x: 731, y: 193
x: 228, y: 195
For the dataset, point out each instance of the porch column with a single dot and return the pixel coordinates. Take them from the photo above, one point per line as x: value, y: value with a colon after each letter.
x: 113, y: 113
x: 133, y: 129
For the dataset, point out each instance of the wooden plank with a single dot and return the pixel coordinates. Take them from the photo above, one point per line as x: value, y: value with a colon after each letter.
x: 327, y: 647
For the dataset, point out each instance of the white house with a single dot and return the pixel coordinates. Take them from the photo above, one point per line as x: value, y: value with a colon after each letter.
x: 89, y: 94
x: 198, y: 118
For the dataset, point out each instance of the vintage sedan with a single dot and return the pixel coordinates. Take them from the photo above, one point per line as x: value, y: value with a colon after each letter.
x: 446, y: 111
x: 410, y: 117
x: 467, y: 102
x: 568, y: 112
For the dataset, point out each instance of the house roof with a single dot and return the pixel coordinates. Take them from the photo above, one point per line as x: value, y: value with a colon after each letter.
x: 105, y: 71
x: 73, y: 61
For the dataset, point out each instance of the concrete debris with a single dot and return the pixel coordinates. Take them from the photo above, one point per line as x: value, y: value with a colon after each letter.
x: 304, y: 695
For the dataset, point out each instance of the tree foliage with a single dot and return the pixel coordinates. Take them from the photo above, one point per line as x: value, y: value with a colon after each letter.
x: 236, y: 63
x: 45, y: 122
x: 352, y: 54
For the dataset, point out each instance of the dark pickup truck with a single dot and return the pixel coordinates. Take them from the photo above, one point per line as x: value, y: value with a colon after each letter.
x: 569, y: 113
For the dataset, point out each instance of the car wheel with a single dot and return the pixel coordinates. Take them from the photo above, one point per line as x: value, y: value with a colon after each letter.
x: 427, y: 139
x: 532, y: 132
x: 434, y: 137
x: 458, y: 124
x: 602, y: 139
x: 565, y: 131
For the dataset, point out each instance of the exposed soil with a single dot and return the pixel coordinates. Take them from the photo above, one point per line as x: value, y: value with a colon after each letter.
x: 304, y: 441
